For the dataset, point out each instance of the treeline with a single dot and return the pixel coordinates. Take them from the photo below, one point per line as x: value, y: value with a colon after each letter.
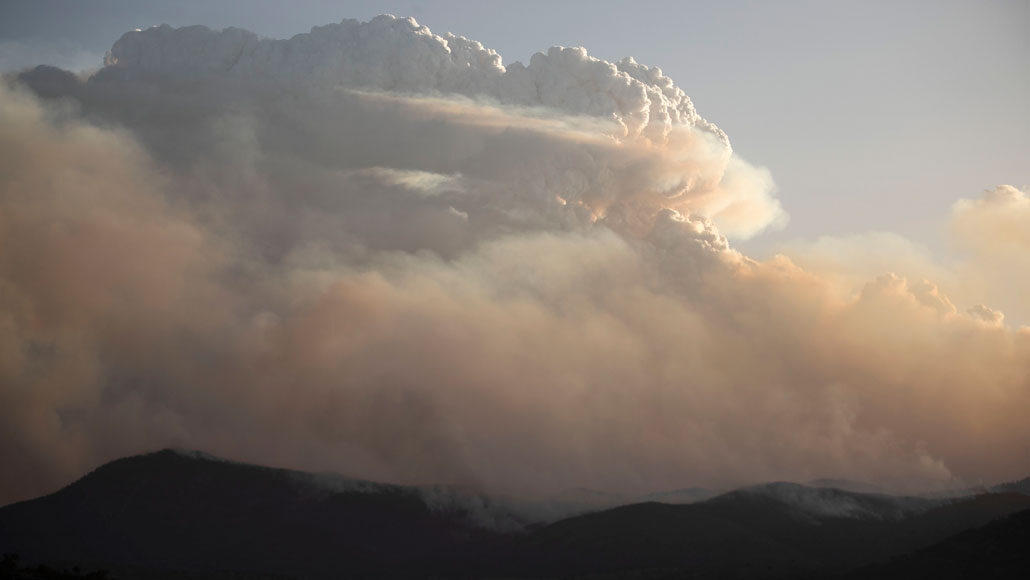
x: 11, y: 568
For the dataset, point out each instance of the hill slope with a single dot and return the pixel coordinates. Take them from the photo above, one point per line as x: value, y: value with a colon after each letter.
x: 776, y: 530
x: 1001, y: 549
x: 178, y: 511
x: 185, y: 515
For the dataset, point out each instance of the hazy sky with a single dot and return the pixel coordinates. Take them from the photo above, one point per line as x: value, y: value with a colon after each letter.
x: 375, y: 250
x: 871, y: 115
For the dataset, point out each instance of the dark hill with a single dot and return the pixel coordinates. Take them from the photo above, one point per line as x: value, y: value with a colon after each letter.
x: 170, y: 510
x: 774, y: 531
x: 184, y: 515
x: 1001, y: 549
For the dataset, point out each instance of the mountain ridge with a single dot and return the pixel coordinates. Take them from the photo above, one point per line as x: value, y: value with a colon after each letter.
x: 198, y: 516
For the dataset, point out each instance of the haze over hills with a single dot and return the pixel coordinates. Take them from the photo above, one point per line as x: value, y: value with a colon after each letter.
x: 189, y: 515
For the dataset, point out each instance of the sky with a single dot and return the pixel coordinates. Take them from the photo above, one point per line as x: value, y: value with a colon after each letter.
x: 788, y: 241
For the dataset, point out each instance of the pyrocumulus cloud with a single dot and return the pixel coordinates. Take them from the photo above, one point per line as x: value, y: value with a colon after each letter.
x: 375, y: 250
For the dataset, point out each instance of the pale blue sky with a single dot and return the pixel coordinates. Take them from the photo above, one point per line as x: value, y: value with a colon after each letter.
x: 871, y: 115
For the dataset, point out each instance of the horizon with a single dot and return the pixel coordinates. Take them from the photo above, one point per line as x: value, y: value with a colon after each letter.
x: 510, y: 513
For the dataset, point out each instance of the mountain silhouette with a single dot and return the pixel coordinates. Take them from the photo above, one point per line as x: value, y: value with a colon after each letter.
x: 178, y: 511
x: 996, y: 550
x: 778, y: 530
x: 176, y: 515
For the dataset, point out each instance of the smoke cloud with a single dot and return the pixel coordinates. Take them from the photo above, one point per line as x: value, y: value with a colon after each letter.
x: 991, y: 265
x: 377, y: 251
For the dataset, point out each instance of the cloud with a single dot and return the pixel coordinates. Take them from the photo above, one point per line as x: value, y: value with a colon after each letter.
x: 398, y: 55
x: 289, y: 258
x: 993, y: 256
x: 996, y: 223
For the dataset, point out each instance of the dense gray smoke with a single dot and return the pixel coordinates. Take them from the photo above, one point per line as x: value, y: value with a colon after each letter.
x: 377, y: 251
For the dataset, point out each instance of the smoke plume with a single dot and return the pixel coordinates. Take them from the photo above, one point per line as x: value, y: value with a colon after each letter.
x: 377, y: 251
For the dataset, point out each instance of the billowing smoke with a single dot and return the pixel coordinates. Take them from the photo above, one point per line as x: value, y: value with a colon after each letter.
x: 378, y: 251
x: 989, y: 276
